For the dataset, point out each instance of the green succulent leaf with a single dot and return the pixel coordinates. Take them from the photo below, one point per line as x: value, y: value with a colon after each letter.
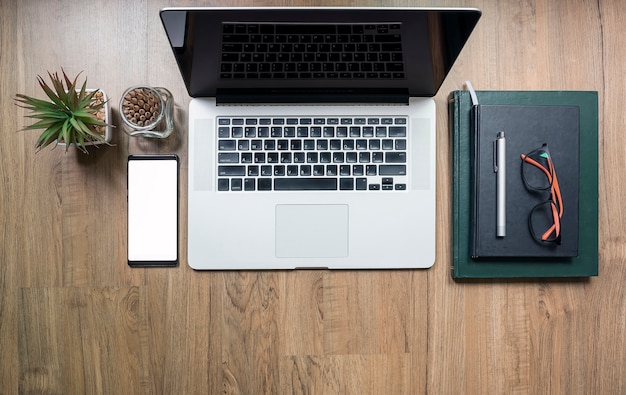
x: 69, y: 116
x: 48, y: 136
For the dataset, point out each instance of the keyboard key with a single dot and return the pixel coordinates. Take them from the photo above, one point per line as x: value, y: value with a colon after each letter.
x: 285, y: 157
x: 237, y: 131
x: 259, y: 157
x: 246, y: 157
x: 346, y: 184
x: 256, y: 145
x: 305, y: 170
x: 272, y: 157
x: 266, y: 170
x: 305, y: 184
x: 292, y: 170
x: 249, y: 184
x: 397, y: 131
x: 228, y: 157
x: 223, y: 132
x: 298, y: 157
x: 243, y: 145
x: 227, y: 171
x: 395, y: 157
x: 392, y: 170
x: 295, y: 145
x: 361, y: 184
x: 235, y: 184
x: 279, y: 170
x: 227, y: 145
x: 264, y: 184
x: 223, y: 184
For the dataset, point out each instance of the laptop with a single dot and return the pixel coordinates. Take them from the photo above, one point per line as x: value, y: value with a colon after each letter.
x: 312, y: 133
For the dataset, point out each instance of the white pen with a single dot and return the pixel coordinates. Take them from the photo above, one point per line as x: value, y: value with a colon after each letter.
x: 500, y: 169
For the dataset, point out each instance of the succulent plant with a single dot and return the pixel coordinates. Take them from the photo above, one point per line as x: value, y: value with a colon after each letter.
x: 72, y: 116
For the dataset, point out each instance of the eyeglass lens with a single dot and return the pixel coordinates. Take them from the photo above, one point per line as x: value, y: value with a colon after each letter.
x: 537, y: 171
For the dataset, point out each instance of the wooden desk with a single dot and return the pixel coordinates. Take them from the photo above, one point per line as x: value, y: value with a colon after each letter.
x: 74, y: 318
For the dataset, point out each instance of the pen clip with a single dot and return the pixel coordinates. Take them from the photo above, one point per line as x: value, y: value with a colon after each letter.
x: 495, y: 156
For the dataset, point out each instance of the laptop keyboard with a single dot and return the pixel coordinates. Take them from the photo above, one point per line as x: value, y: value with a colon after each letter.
x: 311, y: 51
x: 312, y: 153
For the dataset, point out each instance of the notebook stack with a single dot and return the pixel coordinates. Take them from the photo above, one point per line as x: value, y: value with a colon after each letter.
x: 548, y: 223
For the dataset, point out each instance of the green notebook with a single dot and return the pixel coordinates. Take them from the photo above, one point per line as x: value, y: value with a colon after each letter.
x: 586, y: 263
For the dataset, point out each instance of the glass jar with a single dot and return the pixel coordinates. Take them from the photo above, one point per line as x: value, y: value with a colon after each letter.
x: 147, y: 111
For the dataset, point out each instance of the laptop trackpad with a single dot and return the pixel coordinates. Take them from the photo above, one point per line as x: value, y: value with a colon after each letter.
x: 311, y: 231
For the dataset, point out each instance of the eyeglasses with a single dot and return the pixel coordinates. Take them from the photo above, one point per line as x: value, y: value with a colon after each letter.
x: 539, y: 175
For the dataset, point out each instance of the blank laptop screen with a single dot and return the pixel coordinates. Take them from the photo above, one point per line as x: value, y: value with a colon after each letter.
x: 409, y: 51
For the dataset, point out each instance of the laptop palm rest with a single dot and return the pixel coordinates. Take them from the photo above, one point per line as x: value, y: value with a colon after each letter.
x: 311, y: 231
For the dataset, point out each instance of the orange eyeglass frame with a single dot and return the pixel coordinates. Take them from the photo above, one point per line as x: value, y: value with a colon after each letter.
x: 555, y: 194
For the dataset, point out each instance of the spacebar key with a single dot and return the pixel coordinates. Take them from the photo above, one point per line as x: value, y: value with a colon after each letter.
x: 305, y: 184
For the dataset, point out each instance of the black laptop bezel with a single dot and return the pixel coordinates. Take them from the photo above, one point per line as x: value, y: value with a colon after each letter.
x: 432, y: 40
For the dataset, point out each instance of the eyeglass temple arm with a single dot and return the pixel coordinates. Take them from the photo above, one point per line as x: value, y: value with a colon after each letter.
x: 555, y: 192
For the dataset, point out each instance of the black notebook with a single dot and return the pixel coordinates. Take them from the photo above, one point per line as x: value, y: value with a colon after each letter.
x: 525, y: 129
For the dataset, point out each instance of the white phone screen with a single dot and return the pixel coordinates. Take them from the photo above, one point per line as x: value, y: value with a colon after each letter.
x: 152, y: 210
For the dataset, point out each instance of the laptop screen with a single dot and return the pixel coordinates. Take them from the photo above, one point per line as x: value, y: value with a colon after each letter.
x: 406, y: 51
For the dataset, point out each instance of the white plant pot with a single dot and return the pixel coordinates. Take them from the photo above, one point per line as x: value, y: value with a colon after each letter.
x: 108, y: 131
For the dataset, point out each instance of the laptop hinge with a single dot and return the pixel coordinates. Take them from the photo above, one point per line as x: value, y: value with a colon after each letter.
x: 312, y: 96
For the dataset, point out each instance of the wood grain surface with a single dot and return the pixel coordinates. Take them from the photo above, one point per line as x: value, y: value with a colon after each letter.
x: 75, y: 319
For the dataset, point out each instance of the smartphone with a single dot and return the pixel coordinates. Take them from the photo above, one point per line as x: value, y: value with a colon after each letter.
x: 152, y: 210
